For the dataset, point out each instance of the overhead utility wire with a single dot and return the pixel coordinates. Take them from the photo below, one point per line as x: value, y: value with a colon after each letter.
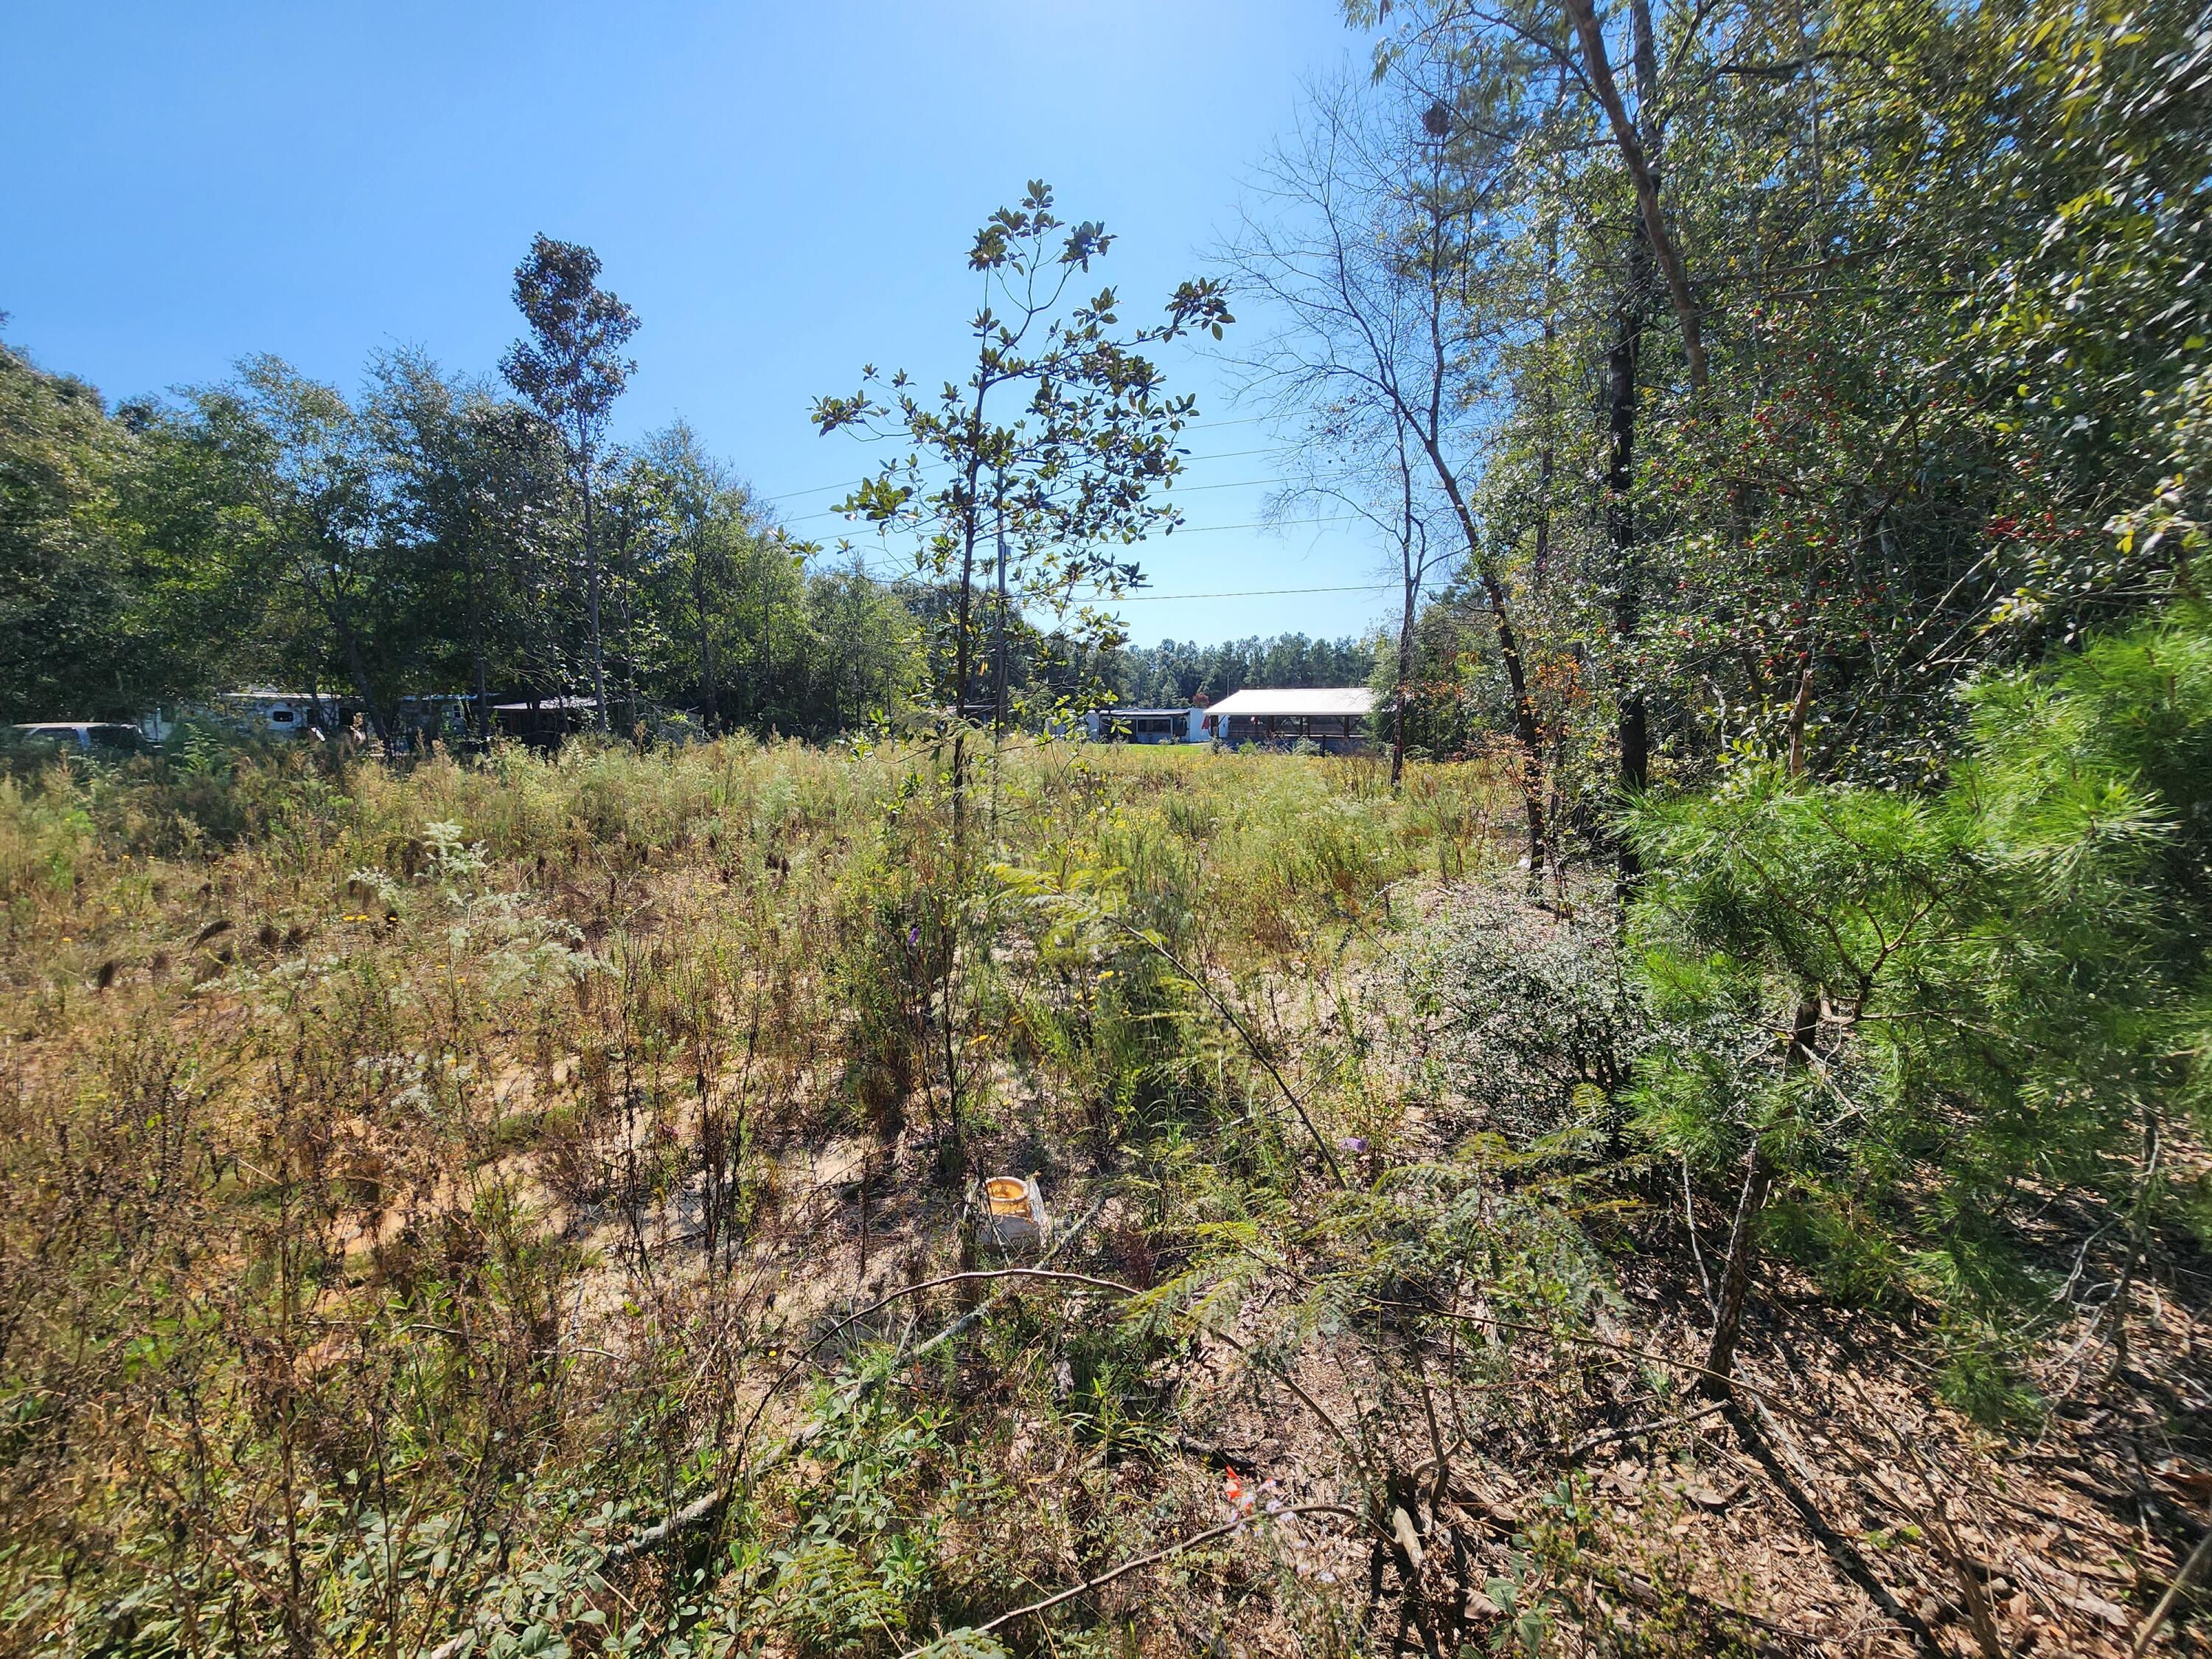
x: 875, y: 572
x: 1238, y: 594
x: 1258, y: 593
x: 1187, y: 489
x: 1230, y: 455
x: 1225, y: 455
x: 1255, y: 524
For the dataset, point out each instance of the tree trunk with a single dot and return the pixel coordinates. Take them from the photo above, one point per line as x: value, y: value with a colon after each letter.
x: 1524, y: 721
x: 1509, y: 651
x: 340, y: 616
x: 1800, y: 706
x: 1541, y: 566
x: 1630, y: 720
x: 1598, y: 66
x: 1735, y: 1276
x: 1743, y: 1247
x: 1398, y: 703
x: 626, y: 624
x: 1410, y: 591
x: 358, y: 671
x: 592, y: 588
x: 962, y: 654
x: 478, y: 670
x: 1430, y: 435
x: 710, y: 692
x: 761, y: 664
x: 998, y: 651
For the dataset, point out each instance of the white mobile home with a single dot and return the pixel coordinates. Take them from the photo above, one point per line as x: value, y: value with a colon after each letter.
x: 1148, y: 725
x: 271, y: 713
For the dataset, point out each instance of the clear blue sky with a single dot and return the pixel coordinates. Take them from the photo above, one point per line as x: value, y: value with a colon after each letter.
x: 782, y: 191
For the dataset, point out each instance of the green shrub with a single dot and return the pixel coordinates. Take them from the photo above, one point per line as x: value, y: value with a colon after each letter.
x: 1543, y: 1024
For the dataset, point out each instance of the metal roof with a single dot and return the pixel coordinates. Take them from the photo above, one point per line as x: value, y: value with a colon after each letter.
x: 1326, y: 702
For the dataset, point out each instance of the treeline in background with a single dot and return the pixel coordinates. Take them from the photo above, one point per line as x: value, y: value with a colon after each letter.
x: 419, y: 537
x: 439, y: 533
x: 1175, y: 674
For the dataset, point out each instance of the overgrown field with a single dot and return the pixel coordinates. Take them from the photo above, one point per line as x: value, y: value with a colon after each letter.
x: 518, y: 1208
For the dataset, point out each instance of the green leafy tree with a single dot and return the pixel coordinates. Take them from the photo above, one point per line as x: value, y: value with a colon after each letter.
x: 1053, y: 446
x: 863, y: 663
x: 1883, y: 363
x: 302, y: 518
x: 706, y: 516
x: 571, y: 369
x: 65, y: 593
x: 470, y: 486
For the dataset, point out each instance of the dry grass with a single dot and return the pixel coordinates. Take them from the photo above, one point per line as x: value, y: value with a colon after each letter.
x: 419, y: 1185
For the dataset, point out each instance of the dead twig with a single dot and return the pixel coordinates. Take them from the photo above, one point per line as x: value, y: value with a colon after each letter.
x: 1127, y: 1567
x: 1251, y: 1042
x: 2175, y: 1592
x: 1635, y: 1431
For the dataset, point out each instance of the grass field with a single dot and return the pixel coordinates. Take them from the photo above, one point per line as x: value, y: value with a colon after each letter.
x: 415, y: 1179
x: 518, y: 1208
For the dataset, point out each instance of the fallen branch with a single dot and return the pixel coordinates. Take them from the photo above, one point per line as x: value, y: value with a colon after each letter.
x: 1634, y: 1431
x: 698, y: 1513
x: 1206, y: 1451
x: 2163, y: 1610
x: 1127, y: 1567
x: 1635, y: 1587
x: 707, y: 1508
x: 1838, y: 1548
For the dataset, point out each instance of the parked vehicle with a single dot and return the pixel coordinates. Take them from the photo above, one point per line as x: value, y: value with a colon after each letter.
x: 103, y: 739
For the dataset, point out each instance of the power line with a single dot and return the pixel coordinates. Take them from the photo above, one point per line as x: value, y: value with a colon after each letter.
x: 1226, y: 455
x: 1254, y: 524
x: 1261, y: 593
x: 1251, y: 483
x: 877, y: 573
x: 1235, y: 594
x: 1257, y: 524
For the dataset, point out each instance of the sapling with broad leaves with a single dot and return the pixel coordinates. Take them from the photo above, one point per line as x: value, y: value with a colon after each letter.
x: 1054, y: 444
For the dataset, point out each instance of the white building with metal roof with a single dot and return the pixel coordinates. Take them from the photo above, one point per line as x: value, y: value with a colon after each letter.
x: 1332, y: 717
